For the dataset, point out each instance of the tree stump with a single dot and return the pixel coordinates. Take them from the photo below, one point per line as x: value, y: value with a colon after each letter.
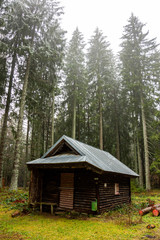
x: 156, y: 211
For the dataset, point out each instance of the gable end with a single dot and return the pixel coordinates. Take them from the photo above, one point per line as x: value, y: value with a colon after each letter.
x: 62, y: 148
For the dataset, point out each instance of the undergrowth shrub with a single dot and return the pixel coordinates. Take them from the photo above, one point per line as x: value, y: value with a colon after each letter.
x: 135, y: 187
x: 15, y: 200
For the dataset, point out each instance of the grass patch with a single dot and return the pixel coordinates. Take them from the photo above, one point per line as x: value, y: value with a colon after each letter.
x: 113, y: 225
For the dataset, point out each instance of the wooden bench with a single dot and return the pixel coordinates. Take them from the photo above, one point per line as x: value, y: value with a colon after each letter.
x: 45, y: 203
x: 49, y: 204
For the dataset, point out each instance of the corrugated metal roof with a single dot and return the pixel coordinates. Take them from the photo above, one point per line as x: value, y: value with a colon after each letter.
x: 96, y: 157
x: 64, y: 158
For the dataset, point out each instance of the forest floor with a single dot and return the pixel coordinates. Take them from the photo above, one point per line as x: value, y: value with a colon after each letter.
x: 122, y: 223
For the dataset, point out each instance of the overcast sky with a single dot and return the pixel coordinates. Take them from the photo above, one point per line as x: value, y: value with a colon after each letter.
x: 109, y: 16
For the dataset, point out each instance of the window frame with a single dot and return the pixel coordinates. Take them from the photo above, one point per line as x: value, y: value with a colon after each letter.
x: 116, y: 189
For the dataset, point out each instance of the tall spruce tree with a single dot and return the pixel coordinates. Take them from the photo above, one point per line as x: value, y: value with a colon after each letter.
x: 137, y: 72
x: 11, y: 37
x: 75, y: 79
x: 99, y: 68
x: 38, y: 16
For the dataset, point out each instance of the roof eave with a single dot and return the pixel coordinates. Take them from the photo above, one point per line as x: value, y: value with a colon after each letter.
x: 85, y: 164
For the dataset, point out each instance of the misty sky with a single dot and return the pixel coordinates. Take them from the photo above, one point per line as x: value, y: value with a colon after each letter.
x: 110, y: 16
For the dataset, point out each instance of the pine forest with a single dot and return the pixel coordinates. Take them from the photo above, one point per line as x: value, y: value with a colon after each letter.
x: 50, y: 86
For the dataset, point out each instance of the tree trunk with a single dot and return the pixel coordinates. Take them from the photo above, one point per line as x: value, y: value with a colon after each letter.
x: 135, y: 154
x: 100, y: 124
x: 78, y: 123
x: 88, y: 125
x: 117, y: 127
x: 145, y: 210
x: 44, y: 142
x: 117, y: 141
x: 141, y: 183
x: 74, y: 115
x: 32, y: 139
x: 26, y: 160
x: 15, y: 173
x: 39, y: 140
x: 48, y: 130
x: 4, y: 127
x: 146, y: 152
x: 53, y: 109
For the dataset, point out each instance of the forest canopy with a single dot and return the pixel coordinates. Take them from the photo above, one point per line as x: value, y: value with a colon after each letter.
x: 50, y: 87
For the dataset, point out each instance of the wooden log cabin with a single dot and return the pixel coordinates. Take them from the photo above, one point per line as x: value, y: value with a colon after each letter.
x: 72, y: 175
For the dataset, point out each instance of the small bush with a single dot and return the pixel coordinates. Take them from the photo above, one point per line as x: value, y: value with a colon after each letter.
x: 16, y: 200
x: 135, y: 187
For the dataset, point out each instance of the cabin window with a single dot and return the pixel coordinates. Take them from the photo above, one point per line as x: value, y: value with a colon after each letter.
x: 117, y: 189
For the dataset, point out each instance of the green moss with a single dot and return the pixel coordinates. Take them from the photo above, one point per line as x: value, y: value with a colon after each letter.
x: 113, y: 225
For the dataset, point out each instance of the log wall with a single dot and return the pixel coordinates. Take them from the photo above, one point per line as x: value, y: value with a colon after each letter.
x: 107, y: 197
x: 35, y: 186
x: 88, y: 186
x: 85, y: 190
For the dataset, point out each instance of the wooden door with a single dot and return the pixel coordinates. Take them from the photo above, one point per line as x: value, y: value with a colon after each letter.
x: 66, y: 190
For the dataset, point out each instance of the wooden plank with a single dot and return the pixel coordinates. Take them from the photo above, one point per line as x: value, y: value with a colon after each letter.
x: 40, y: 207
x: 51, y: 209
x: 66, y: 190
